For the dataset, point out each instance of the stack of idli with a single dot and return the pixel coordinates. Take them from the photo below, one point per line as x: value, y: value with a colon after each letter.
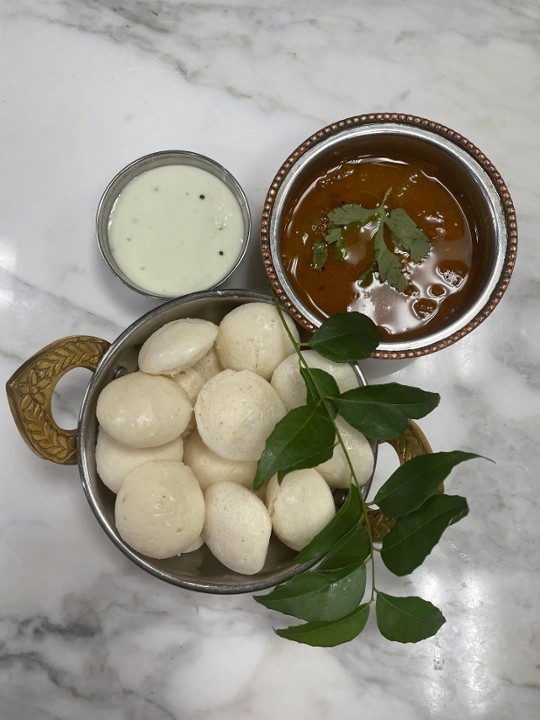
x: 179, y: 441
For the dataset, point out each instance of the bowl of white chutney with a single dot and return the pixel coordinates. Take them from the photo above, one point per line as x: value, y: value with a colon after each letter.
x: 172, y: 223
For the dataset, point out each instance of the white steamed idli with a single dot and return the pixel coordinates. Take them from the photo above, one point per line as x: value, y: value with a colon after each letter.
x: 235, y: 413
x: 300, y: 507
x: 195, y: 545
x: 336, y: 471
x: 252, y: 337
x: 208, y: 365
x: 143, y: 410
x: 192, y: 379
x: 237, y: 527
x: 210, y: 468
x: 177, y: 345
x: 159, y: 510
x: 290, y: 385
x: 115, y: 460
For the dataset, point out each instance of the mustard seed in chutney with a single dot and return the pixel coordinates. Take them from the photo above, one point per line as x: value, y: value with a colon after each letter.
x: 437, y: 286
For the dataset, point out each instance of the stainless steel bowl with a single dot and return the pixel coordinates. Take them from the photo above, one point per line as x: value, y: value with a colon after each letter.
x: 30, y: 394
x: 382, y: 135
x: 150, y: 162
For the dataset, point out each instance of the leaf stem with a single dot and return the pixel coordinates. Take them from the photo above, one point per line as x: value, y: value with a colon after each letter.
x: 324, y: 401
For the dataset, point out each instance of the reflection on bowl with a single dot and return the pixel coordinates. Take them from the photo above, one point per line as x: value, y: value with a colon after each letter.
x: 445, y: 255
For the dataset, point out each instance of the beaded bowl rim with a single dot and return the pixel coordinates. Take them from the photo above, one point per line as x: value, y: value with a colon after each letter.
x: 408, y: 121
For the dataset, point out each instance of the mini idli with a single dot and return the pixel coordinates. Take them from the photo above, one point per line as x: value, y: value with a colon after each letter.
x: 237, y: 527
x: 300, y: 507
x: 159, y: 509
x: 195, y: 545
x: 114, y: 460
x: 290, y: 385
x: 252, y: 337
x: 336, y: 470
x: 210, y: 468
x: 177, y: 345
x: 235, y: 413
x: 142, y: 410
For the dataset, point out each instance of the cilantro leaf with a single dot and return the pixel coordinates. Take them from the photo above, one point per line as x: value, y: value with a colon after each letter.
x: 407, y: 235
x: 333, y: 235
x: 319, y: 254
x: 388, y: 264
x: 348, y: 214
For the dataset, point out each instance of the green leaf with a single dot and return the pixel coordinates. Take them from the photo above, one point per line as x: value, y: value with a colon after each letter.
x: 351, y: 213
x: 346, y: 337
x: 330, y: 591
x: 407, y: 619
x: 344, y: 520
x: 322, y: 597
x: 415, y: 535
x: 329, y: 634
x: 366, y: 278
x: 305, y: 437
x: 334, y: 235
x: 407, y: 235
x: 417, y: 480
x: 340, y: 249
x: 388, y: 263
x: 353, y: 547
x: 319, y: 254
x: 381, y: 411
x: 319, y: 384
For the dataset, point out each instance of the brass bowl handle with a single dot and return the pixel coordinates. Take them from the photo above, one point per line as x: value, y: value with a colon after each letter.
x: 30, y: 391
x: 409, y: 444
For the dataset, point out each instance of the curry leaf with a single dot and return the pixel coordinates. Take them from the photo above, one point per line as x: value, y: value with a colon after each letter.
x: 344, y: 520
x: 315, y: 596
x: 417, y: 480
x: 328, y: 596
x: 303, y: 438
x: 415, y: 535
x: 381, y: 411
x: 353, y: 547
x: 329, y: 634
x: 346, y: 337
x: 319, y: 384
x: 407, y: 619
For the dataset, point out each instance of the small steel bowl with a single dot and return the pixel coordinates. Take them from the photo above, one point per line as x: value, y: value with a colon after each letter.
x: 382, y: 135
x: 157, y: 160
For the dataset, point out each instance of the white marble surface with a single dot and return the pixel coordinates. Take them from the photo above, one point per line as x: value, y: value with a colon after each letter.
x: 86, y: 87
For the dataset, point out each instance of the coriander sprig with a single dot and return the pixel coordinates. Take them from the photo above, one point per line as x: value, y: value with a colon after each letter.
x: 334, y: 597
x: 411, y: 242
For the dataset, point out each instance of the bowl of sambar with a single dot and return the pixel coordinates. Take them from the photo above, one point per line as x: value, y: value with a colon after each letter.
x: 394, y: 216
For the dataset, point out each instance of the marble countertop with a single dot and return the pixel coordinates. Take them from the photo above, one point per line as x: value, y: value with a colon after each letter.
x: 87, y: 87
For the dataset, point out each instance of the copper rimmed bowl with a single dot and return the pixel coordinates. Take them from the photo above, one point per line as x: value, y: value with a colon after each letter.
x: 473, y: 177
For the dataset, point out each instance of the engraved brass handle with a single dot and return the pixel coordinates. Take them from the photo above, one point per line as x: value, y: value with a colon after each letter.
x: 30, y: 390
x: 409, y: 444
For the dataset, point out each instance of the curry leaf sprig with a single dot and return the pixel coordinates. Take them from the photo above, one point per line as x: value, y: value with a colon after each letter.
x: 407, y: 237
x: 334, y: 595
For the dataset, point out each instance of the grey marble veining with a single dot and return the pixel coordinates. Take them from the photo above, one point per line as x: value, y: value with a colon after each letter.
x: 87, y: 87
